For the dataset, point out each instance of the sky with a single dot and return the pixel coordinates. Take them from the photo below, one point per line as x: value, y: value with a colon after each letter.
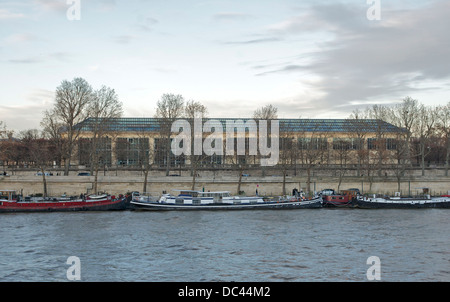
x: 310, y: 59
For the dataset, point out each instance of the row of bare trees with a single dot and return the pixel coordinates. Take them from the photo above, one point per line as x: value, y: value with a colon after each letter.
x: 75, y: 101
x: 369, y: 144
x: 425, y: 129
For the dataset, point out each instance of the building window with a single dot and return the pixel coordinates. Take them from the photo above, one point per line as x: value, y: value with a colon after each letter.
x: 371, y: 143
x: 132, y: 151
x: 391, y: 144
x: 313, y: 143
x: 103, y: 151
x: 161, y: 154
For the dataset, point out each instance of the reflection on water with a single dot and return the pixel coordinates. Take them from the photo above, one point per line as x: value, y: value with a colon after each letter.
x: 296, y: 245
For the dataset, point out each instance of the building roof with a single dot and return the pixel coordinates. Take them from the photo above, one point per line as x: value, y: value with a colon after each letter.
x: 128, y: 124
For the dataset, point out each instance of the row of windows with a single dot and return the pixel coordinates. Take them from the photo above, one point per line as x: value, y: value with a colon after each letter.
x: 288, y: 125
x: 346, y: 144
x: 136, y: 151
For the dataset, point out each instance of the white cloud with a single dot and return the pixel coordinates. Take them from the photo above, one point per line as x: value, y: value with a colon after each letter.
x: 21, y: 38
x: 20, y: 117
x: 365, y: 60
x: 123, y: 39
x: 53, y: 5
x: 231, y: 16
x: 8, y: 15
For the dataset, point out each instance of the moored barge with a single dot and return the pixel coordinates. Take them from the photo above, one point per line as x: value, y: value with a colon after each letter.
x: 347, y: 199
x: 10, y: 202
x: 196, y: 200
x: 403, y: 202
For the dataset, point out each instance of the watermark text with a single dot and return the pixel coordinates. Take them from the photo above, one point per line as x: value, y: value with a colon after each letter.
x: 235, y: 135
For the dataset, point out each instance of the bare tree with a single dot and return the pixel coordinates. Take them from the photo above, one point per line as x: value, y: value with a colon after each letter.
x: 38, y: 152
x: 288, y: 151
x: 192, y: 110
x: 268, y: 112
x: 379, y: 114
x: 169, y: 108
x: 313, y: 146
x: 342, y: 148
x: 52, y: 129
x: 12, y: 150
x: 4, y: 133
x: 424, y: 129
x: 72, y: 100
x: 405, y: 115
x: 103, y: 109
x: 146, y: 155
x: 5, y: 137
x: 357, y: 127
x: 443, y: 126
x: 398, y: 155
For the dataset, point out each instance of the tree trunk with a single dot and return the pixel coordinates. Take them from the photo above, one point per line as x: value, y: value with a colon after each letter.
x: 194, y: 175
x: 239, y: 182
x: 168, y: 155
x: 144, y: 189
x: 68, y: 154
x: 308, y: 181
x: 44, y: 182
x: 66, y: 166
x: 423, y: 163
x: 96, y: 179
x: 447, y: 157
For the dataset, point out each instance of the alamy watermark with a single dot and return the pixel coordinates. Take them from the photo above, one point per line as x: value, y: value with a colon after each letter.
x: 73, y: 13
x: 374, y: 11
x: 259, y: 141
x: 73, y: 273
x: 374, y: 271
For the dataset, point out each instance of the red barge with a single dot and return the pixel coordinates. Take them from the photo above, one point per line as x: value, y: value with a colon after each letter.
x: 10, y: 202
x: 347, y: 199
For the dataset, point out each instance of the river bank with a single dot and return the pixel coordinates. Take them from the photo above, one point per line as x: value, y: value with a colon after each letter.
x: 268, y: 185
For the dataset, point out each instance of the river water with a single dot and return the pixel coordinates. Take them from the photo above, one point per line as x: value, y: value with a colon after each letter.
x: 256, y: 246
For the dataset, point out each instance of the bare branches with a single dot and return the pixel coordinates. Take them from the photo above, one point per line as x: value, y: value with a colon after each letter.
x: 169, y: 108
x: 268, y: 112
x: 443, y: 127
x: 195, y: 109
x: 77, y: 105
x: 103, y: 108
x: 71, y: 103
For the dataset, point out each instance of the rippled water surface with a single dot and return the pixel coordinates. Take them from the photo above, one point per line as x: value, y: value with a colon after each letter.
x: 278, y: 245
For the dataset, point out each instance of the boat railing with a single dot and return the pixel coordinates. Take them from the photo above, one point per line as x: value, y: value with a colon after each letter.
x: 147, y: 197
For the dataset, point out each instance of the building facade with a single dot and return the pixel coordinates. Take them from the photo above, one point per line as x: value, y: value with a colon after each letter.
x: 134, y: 142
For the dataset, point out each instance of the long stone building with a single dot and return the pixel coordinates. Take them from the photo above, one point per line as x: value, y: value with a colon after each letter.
x: 134, y: 141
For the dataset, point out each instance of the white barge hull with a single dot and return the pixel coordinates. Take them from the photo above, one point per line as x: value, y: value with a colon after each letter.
x: 155, y: 206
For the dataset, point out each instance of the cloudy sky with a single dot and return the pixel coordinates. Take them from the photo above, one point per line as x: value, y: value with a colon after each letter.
x: 309, y: 58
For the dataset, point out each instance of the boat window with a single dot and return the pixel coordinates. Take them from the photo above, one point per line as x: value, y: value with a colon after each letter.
x: 188, y: 193
x: 179, y: 201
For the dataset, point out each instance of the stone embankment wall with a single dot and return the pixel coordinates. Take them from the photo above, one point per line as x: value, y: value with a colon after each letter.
x: 268, y: 185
